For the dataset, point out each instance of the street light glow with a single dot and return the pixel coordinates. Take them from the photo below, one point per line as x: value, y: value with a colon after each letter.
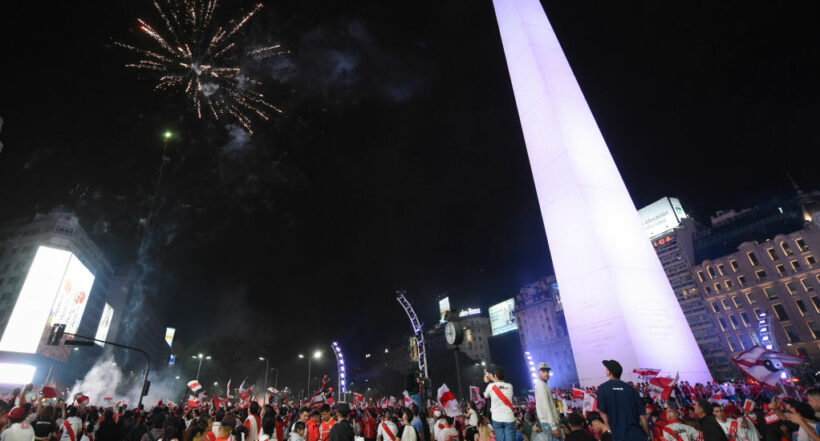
x: 167, y: 134
x: 208, y: 357
x: 317, y: 354
x: 261, y: 358
x: 200, y: 355
x: 301, y: 355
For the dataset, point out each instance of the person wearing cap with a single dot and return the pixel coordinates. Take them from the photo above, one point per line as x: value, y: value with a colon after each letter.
x: 342, y: 430
x: 621, y: 406
x: 598, y: 426
x: 19, y: 429
x: 545, y: 404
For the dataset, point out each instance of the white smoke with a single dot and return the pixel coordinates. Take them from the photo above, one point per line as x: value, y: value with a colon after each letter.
x: 238, y: 141
x: 209, y: 89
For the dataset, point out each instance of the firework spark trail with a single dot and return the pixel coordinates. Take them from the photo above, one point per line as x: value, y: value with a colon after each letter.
x: 200, y: 59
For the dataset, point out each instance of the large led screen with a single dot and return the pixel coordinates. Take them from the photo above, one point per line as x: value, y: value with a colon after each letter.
x: 443, y: 308
x: 55, y: 291
x: 502, y: 317
x: 105, y: 324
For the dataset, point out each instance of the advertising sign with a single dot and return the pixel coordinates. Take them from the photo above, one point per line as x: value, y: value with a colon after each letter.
x: 105, y: 324
x: 502, y: 317
x: 169, y: 336
x: 55, y: 291
x: 12, y: 373
x: 443, y: 307
x: 662, y: 216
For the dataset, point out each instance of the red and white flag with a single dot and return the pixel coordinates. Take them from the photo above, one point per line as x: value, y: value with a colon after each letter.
x: 82, y: 400
x: 228, y: 392
x: 358, y: 400
x: 407, y: 400
x: 764, y: 365
x: 391, y: 402
x: 475, y: 394
x: 662, y: 387
x: 748, y: 406
x: 192, y: 401
x: 771, y: 418
x: 448, y: 402
x: 590, y: 402
x: 194, y: 385
x: 577, y: 394
x: 646, y: 373
x: 717, y: 398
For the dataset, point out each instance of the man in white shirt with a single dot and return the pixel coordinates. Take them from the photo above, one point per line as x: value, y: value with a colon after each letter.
x: 72, y: 426
x: 545, y: 404
x: 500, y: 395
x: 448, y: 432
x: 19, y: 429
x: 387, y: 430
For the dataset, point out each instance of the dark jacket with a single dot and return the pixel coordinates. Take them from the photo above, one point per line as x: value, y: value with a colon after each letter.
x: 342, y: 431
x: 711, y: 429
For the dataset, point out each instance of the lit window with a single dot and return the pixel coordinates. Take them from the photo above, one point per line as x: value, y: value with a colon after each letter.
x: 715, y: 307
x: 729, y: 284
x: 780, y: 312
x: 723, y: 323
x: 752, y: 258
x: 726, y: 305
x: 806, y: 285
x: 745, y: 318
x: 749, y: 298
x: 733, y: 264
x: 815, y: 332
x: 772, y: 253
x: 760, y: 274
x: 741, y: 280
x: 732, y: 343
x: 700, y: 276
x: 770, y: 292
x: 781, y: 270
x: 790, y: 286
x: 795, y: 265
x: 786, y: 248
x: 801, y: 245
x: 791, y: 334
x: 735, y: 322
x: 736, y: 301
x: 711, y: 271
x: 801, y: 307
x: 721, y: 270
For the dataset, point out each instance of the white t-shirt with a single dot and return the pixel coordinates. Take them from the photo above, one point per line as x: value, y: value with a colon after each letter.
x: 684, y: 431
x: 448, y: 433
x: 498, y: 409
x: 802, y: 435
x: 472, y: 417
x: 18, y: 432
x: 391, y: 427
x: 409, y: 433
x: 76, y: 425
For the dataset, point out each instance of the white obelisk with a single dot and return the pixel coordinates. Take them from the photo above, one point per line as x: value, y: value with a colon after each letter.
x: 617, y: 300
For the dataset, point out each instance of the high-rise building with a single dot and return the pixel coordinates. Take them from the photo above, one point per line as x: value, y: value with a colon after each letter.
x: 542, y: 329
x: 671, y: 232
x: 477, y: 333
x: 617, y: 300
x: 51, y: 272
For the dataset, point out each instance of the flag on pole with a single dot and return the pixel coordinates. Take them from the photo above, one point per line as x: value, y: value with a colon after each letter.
x: 590, y: 402
x: 358, y: 399
x: 407, y: 400
x: 578, y: 394
x: 662, y: 387
x: 192, y: 401
x: 228, y: 392
x: 764, y: 365
x: 448, y: 402
x: 194, y: 385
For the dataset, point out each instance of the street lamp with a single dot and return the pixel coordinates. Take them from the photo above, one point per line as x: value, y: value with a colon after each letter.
x: 317, y: 355
x: 200, y: 357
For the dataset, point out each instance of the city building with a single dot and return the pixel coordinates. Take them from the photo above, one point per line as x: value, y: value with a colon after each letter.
x: 51, y: 271
x: 542, y: 329
x: 477, y: 335
x: 672, y: 233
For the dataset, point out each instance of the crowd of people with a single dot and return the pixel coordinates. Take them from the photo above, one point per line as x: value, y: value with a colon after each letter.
x: 621, y: 411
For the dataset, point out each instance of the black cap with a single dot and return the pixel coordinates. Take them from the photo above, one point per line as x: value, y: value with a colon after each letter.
x: 614, y: 368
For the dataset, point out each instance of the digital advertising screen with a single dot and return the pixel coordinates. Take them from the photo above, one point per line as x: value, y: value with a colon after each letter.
x: 443, y: 307
x: 169, y: 336
x: 502, y: 317
x: 105, y: 324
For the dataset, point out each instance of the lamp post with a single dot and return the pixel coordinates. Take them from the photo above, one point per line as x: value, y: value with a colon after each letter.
x: 200, y: 357
x: 317, y: 355
x: 267, y: 363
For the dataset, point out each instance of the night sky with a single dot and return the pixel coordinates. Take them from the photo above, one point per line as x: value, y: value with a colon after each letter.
x: 398, y: 161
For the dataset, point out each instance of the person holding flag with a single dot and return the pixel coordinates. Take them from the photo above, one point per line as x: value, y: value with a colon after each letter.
x: 500, y: 394
x: 545, y: 405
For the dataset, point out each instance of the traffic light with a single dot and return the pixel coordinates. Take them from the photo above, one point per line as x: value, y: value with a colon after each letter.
x: 56, y: 335
x: 145, y: 387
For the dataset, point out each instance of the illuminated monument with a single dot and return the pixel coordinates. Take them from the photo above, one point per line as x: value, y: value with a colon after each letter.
x: 617, y: 300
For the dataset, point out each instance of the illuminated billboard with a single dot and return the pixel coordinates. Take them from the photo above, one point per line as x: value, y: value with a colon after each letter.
x: 502, y: 317
x: 169, y: 336
x: 662, y: 216
x: 55, y: 291
x: 12, y: 373
x: 443, y: 307
x: 105, y: 323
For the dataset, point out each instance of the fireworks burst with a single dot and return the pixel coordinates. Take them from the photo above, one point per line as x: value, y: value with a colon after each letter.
x: 200, y: 58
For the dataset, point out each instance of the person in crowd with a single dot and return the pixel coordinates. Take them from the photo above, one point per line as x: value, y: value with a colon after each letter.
x: 708, y: 423
x: 417, y: 422
x: 197, y: 431
x: 226, y: 427
x: 407, y: 431
x: 313, y: 426
x: 108, y: 429
x: 171, y: 429
x: 598, y: 426
x: 576, y: 429
x: 304, y: 416
x: 45, y: 427
x: 388, y: 429
x: 343, y: 429
x: 620, y: 406
x: 519, y: 432
x: 16, y: 427
x: 472, y: 414
x: 500, y: 394
x: 253, y: 423
x: 368, y: 425
x: 677, y: 430
x: 447, y: 432
x: 298, y: 432
x: 545, y: 404
x: 268, y: 427
x: 485, y: 431
x: 326, y: 424
x: 157, y: 423
x: 795, y: 416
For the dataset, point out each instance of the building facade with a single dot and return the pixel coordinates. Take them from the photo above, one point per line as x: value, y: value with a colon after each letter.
x: 542, y: 329
x: 477, y: 333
